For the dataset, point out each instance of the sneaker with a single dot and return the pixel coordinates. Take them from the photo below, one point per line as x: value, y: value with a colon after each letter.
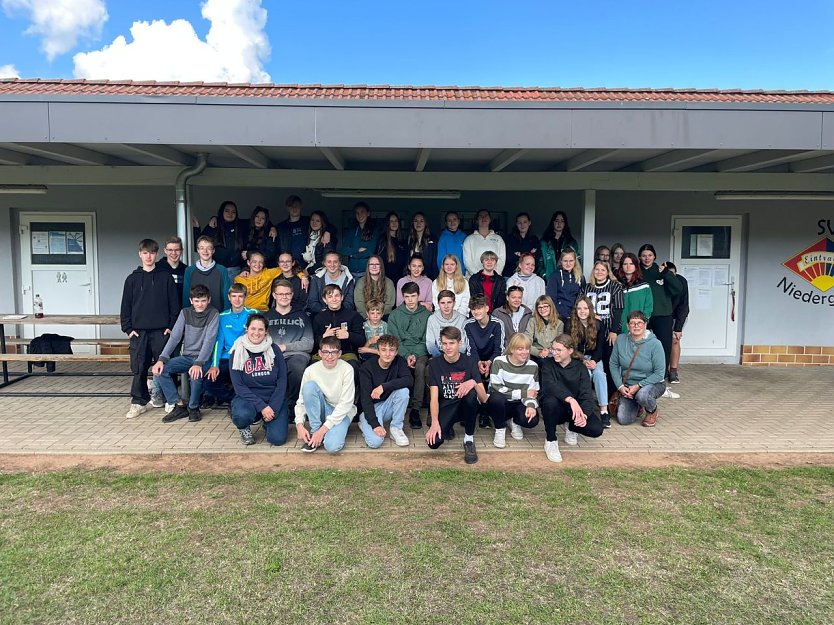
x: 135, y: 411
x: 169, y: 407
x: 670, y: 394
x: 500, y: 438
x: 308, y: 449
x: 246, y: 436
x: 414, y: 419
x: 673, y: 378
x: 516, y: 431
x: 399, y: 437
x: 194, y: 415
x: 470, y: 456
x: 157, y: 400
x: 551, y: 448
x: 177, y: 412
x: 570, y: 437
x: 650, y: 419
x: 208, y: 403
x: 606, y: 420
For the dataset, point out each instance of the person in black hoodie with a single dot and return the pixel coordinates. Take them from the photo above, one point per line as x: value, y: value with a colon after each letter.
x: 680, y: 312
x: 568, y: 397
x: 344, y: 324
x: 172, y: 263
x: 385, y: 383
x: 228, y: 233
x: 261, y: 236
x: 521, y: 241
x: 149, y: 310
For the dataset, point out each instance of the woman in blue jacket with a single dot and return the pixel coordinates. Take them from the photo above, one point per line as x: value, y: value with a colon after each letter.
x: 565, y: 283
x: 360, y: 240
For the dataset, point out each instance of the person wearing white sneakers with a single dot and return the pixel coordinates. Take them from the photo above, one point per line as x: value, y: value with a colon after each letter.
x: 567, y: 397
x: 384, y: 382
x: 513, y: 390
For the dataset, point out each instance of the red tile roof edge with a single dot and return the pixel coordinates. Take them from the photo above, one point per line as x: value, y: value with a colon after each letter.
x: 46, y: 86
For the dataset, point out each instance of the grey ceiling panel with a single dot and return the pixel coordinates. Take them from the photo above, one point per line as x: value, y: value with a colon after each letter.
x: 24, y: 121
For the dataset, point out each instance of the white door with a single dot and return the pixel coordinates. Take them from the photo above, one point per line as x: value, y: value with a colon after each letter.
x: 58, y: 262
x: 707, y: 252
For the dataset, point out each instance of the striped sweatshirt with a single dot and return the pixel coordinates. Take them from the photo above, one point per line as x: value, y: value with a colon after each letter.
x: 513, y: 381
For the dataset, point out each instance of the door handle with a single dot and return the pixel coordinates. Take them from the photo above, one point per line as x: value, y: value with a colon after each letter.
x: 86, y: 284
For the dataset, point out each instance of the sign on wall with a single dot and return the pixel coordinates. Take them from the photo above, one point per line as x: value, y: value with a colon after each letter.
x: 814, y: 265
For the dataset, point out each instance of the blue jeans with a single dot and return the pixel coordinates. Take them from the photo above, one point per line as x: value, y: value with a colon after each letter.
x: 180, y: 364
x: 645, y: 398
x: 600, y: 384
x: 244, y: 415
x: 390, y: 409
x: 318, y: 410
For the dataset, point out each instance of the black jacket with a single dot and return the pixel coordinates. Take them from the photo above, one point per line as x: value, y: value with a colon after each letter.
x: 597, y: 354
x: 499, y: 289
x: 572, y: 381
x: 371, y: 375
x: 333, y: 318
x: 149, y: 301
x: 680, y: 305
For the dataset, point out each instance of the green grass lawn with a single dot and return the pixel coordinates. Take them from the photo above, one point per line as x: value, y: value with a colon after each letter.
x: 446, y: 546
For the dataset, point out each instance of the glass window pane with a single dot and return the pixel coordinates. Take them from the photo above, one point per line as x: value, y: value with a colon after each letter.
x: 705, y: 242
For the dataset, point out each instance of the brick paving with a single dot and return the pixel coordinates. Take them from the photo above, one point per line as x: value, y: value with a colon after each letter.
x: 722, y: 409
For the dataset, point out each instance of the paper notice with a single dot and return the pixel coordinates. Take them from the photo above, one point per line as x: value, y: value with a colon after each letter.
x: 40, y: 243
x: 721, y: 276
x: 57, y: 242
x: 704, y: 245
x: 704, y: 278
x: 703, y: 299
x: 75, y: 242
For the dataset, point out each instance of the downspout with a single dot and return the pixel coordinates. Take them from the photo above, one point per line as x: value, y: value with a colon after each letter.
x: 183, y: 213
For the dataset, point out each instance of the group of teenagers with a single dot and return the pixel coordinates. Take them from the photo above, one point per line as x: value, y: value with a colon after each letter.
x: 295, y: 328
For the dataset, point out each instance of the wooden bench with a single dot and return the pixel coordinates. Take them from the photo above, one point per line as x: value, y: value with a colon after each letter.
x: 100, y: 342
x: 64, y: 358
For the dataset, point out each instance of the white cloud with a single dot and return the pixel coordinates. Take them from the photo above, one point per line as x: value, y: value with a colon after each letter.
x: 60, y: 23
x: 8, y: 71
x: 235, y: 48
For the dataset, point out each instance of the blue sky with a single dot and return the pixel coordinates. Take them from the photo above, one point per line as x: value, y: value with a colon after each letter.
x: 751, y: 45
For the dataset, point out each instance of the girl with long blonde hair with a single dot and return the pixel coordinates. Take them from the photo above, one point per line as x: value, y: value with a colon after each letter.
x: 451, y: 278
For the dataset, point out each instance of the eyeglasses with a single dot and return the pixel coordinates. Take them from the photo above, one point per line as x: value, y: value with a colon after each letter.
x: 636, y: 323
x: 330, y: 352
x: 543, y: 306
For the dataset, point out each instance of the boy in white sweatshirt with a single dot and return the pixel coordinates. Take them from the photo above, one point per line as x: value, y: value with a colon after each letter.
x: 326, y: 400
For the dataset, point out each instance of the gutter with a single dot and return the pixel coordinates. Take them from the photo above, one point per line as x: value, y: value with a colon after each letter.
x: 183, y: 211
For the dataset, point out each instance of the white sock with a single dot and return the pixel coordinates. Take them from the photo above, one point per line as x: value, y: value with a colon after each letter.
x: 468, y: 438
x: 603, y: 410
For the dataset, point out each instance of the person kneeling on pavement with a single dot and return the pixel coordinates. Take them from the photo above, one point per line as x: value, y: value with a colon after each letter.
x: 259, y: 376
x: 327, y: 395
x: 196, y: 327
x: 384, y: 385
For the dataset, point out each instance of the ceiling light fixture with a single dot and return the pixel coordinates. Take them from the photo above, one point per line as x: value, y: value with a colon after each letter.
x: 23, y: 189
x: 391, y: 194
x: 774, y: 195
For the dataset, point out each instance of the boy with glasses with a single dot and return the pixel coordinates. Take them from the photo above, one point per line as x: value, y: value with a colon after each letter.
x: 291, y: 330
x: 172, y: 263
x: 326, y: 400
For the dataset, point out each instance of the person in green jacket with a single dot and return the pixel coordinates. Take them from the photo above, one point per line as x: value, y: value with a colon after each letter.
x: 556, y: 239
x: 638, y: 377
x: 408, y: 323
x: 637, y: 294
x: 666, y: 286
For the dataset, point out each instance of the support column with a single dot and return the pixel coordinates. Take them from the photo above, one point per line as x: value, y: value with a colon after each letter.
x: 589, y: 224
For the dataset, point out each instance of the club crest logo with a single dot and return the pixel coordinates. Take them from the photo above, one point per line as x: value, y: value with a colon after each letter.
x: 815, y: 264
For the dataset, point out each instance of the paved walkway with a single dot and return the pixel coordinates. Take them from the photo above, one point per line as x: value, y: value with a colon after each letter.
x: 722, y: 409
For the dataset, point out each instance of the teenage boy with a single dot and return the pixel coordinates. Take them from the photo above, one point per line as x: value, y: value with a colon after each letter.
x: 290, y: 329
x: 327, y: 395
x: 482, y: 240
x: 486, y: 282
x: 293, y: 231
x: 333, y: 272
x: 207, y: 272
x: 172, y: 263
x: 454, y: 392
x: 148, y: 312
x: 336, y: 321
x: 232, y: 324
x: 680, y: 313
x: 444, y: 316
x: 408, y: 323
x: 196, y: 328
x: 486, y: 340
x: 384, y: 385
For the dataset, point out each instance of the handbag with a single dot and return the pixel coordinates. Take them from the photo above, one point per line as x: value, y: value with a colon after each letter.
x: 614, y: 399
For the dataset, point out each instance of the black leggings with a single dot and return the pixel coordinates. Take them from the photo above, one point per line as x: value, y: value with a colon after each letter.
x: 662, y: 327
x: 556, y: 411
x: 450, y: 412
x: 502, y: 410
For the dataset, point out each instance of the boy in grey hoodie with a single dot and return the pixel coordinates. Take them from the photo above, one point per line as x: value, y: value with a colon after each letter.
x: 445, y: 315
x: 196, y: 327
